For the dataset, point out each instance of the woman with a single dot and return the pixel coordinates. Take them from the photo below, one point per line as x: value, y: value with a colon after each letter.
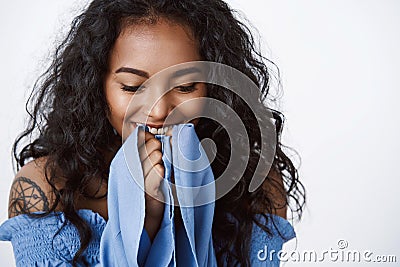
x: 78, y: 112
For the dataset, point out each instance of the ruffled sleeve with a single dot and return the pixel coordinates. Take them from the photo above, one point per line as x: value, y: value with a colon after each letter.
x: 36, y: 242
x: 265, y: 247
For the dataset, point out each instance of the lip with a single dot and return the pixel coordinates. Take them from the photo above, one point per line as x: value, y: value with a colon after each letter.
x: 153, y: 125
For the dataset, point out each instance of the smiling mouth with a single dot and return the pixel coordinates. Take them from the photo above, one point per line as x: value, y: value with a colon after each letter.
x: 153, y: 130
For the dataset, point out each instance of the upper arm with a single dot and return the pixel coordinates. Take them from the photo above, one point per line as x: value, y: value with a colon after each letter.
x: 30, y: 191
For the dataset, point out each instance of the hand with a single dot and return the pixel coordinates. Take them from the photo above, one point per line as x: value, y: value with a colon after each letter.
x: 153, y: 173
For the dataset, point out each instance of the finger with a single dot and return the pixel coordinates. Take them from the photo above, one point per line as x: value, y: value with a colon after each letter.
x: 144, y: 137
x: 150, y: 146
x: 152, y: 160
x: 153, y: 180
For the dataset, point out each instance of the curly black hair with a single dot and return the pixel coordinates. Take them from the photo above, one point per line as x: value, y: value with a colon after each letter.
x: 68, y: 113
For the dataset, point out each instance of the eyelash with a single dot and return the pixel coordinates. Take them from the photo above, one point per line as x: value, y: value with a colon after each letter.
x: 188, y: 88
x: 132, y: 89
x: 183, y: 89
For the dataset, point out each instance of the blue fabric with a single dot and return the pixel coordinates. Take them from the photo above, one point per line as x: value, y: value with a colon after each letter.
x: 193, y: 243
x: 264, y: 247
x: 282, y: 231
x: 123, y: 241
x: 34, y: 242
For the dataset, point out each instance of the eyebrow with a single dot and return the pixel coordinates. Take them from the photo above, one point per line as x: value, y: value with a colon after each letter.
x: 186, y: 71
x: 133, y: 71
x: 144, y: 74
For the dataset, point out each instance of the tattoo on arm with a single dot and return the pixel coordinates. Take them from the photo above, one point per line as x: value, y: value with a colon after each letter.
x: 26, y: 197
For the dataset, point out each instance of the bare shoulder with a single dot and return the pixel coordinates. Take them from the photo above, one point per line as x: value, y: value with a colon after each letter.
x: 30, y: 191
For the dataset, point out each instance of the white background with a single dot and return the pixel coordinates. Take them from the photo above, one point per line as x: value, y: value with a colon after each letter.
x: 339, y: 63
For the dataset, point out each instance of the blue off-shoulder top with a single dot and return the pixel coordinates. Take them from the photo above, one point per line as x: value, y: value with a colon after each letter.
x: 35, y: 243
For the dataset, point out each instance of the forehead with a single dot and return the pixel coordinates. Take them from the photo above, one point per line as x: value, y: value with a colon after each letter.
x: 153, y: 47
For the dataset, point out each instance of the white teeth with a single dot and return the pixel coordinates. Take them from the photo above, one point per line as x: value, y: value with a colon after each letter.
x: 152, y: 130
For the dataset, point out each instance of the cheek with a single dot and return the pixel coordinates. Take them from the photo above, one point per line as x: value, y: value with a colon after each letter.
x: 191, y: 106
x: 117, y: 101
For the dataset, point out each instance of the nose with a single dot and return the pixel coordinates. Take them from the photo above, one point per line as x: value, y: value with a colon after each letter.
x: 158, y: 108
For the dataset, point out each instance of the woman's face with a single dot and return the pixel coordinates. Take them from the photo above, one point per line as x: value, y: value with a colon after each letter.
x: 140, y: 52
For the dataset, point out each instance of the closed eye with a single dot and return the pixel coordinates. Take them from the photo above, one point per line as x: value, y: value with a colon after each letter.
x: 181, y: 88
x: 132, y: 89
x: 187, y: 88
